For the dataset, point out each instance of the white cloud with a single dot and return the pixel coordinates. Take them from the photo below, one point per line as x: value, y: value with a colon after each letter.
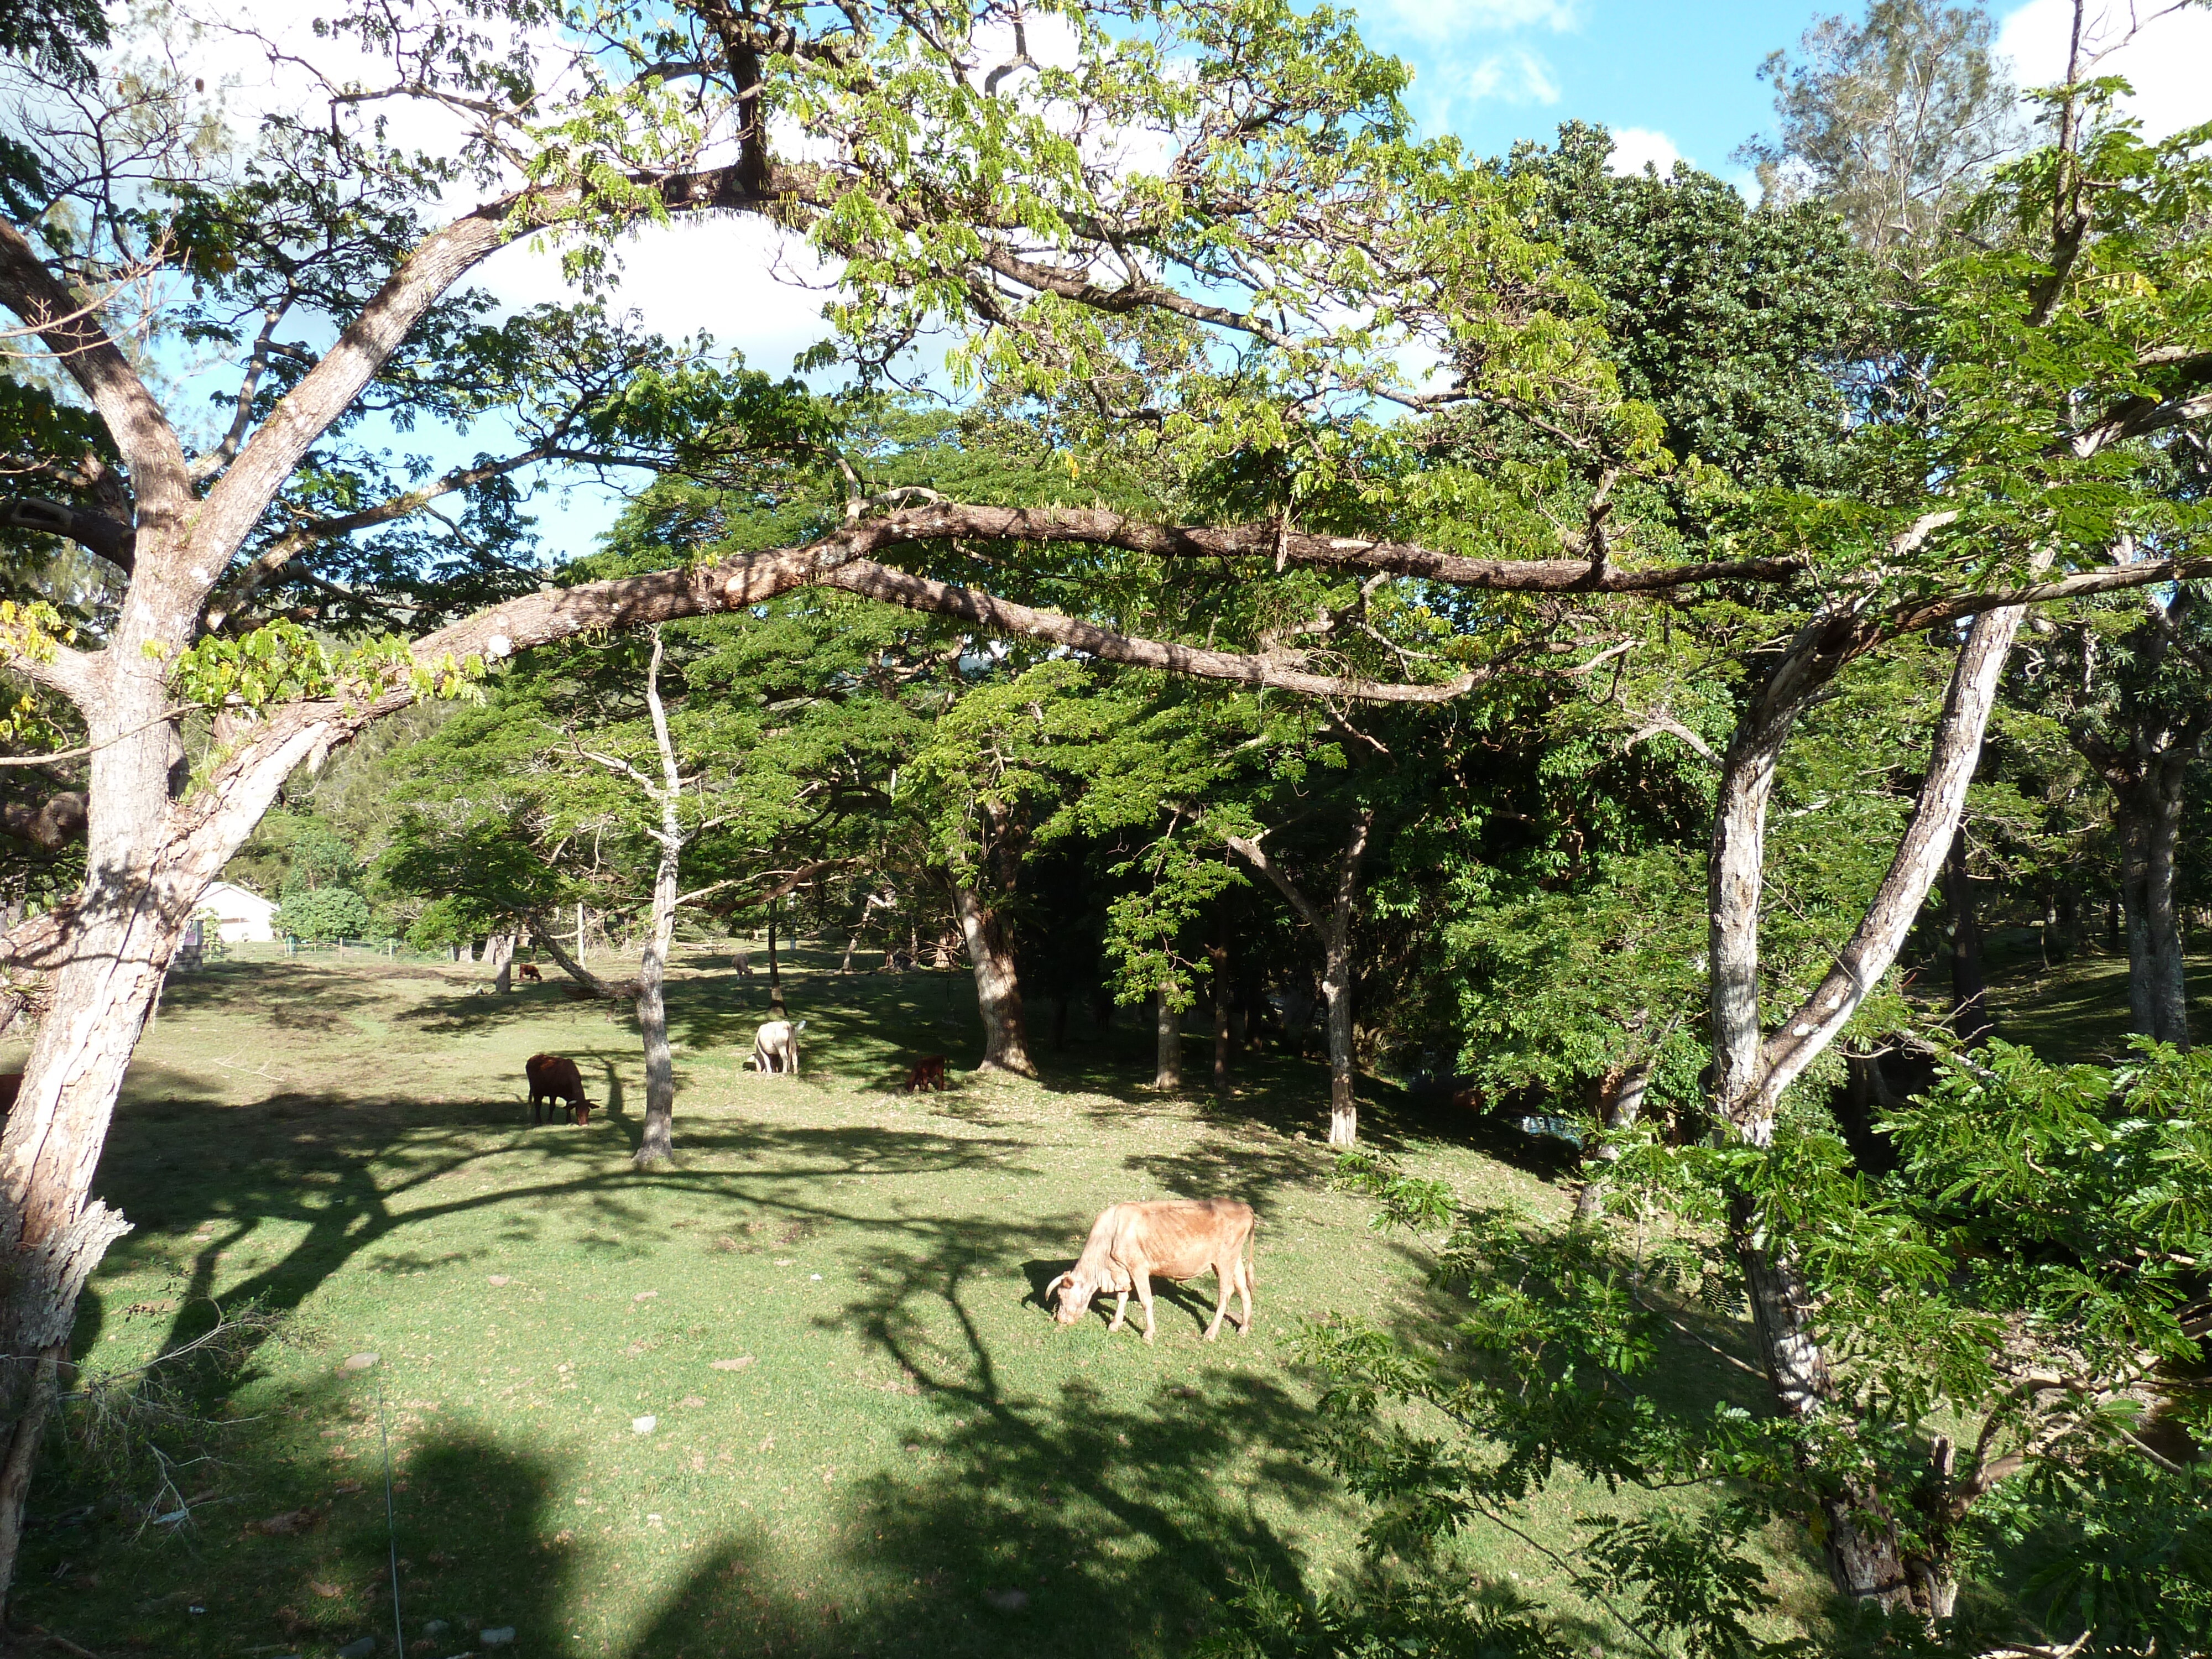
x: 1443, y: 19
x: 737, y: 279
x: 1632, y: 146
x: 2169, y: 62
x: 1518, y: 76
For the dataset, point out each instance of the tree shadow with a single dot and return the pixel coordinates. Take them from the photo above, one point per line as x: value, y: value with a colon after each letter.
x: 302, y: 998
x: 355, y: 1182
x: 1224, y: 1166
x: 1062, y: 1525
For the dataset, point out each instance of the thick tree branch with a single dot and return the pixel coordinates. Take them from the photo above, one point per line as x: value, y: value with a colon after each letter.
x: 1956, y: 748
x: 550, y: 943
x: 133, y: 418
x: 326, y: 390
x: 1097, y: 527
x: 49, y: 825
x: 876, y: 582
x: 111, y: 537
x: 1934, y: 613
x: 2186, y: 396
x: 1255, y: 855
x: 73, y: 674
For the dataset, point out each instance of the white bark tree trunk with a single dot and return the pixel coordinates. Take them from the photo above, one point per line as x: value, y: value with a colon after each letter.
x: 659, y: 1138
x: 1865, y: 1557
x: 1167, y: 1054
x: 657, y: 1145
x: 1334, y: 927
x: 148, y: 858
x: 998, y: 985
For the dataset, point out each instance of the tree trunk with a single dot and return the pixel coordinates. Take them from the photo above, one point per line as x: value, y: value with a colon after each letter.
x: 1218, y: 954
x: 1619, y: 1104
x: 567, y: 965
x: 852, y: 943
x: 1166, y: 1073
x: 147, y: 859
x: 660, y: 1137
x: 1859, y: 1540
x: 500, y: 950
x: 2135, y: 828
x: 2067, y: 907
x: 775, y: 1008
x: 1336, y: 992
x: 2169, y: 996
x: 1750, y: 1074
x: 997, y: 986
x: 1970, y: 985
x: 1336, y: 930
x: 658, y: 1142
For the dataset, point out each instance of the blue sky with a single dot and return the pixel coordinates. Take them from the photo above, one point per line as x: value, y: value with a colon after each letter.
x: 1509, y: 70
x: 1682, y: 78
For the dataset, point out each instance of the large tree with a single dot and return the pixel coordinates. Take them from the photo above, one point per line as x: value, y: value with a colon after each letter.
x: 1251, y: 286
x: 1892, y: 121
x: 1288, y: 209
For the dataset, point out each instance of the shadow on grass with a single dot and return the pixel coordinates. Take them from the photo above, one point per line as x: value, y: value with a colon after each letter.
x: 357, y: 1174
x: 1017, y: 1524
x: 2076, y: 1011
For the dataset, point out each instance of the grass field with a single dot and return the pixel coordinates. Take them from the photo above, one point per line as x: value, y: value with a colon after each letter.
x: 867, y: 1436
x: 2078, y: 1011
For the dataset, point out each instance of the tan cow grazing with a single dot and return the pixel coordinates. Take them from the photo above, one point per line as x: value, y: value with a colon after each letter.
x: 1176, y: 1238
x: 776, y: 1047
x: 554, y: 1079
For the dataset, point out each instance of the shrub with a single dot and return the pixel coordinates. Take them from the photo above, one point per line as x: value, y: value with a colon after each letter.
x: 327, y: 913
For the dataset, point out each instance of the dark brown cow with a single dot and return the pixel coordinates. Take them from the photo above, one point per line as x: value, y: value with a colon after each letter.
x: 929, y: 1073
x: 529, y: 976
x: 11, y: 1084
x: 1176, y: 1238
x: 554, y: 1079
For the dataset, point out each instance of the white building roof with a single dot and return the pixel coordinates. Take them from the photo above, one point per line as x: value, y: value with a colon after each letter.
x: 227, y: 898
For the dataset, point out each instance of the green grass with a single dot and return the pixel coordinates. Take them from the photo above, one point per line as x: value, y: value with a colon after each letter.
x: 2076, y: 1011
x: 910, y: 1438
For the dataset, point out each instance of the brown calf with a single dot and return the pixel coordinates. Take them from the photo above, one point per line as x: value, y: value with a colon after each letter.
x: 1176, y: 1238
x: 554, y: 1079
x: 929, y: 1073
x: 529, y: 976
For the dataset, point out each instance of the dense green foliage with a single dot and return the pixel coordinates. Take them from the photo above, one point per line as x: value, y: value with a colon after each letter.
x: 1490, y: 841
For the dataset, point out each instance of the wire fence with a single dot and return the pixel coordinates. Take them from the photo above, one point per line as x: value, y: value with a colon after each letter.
x: 604, y: 958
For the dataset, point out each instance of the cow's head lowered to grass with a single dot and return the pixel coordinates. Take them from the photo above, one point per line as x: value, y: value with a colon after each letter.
x: 1074, y: 1294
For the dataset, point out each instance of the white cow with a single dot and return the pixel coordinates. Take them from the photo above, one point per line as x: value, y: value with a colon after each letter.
x: 776, y: 1047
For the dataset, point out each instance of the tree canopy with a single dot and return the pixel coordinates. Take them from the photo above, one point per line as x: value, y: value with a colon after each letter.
x: 1539, y: 637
